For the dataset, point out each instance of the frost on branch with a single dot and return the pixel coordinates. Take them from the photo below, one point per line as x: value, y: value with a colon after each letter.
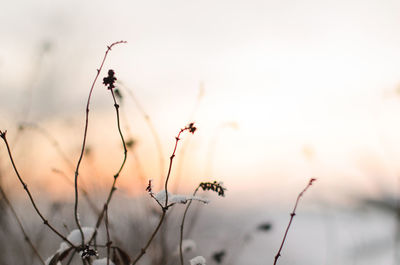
x: 176, y: 198
x: 199, y: 260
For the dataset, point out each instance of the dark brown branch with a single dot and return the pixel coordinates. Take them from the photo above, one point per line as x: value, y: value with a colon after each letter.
x: 291, y: 219
x: 25, y: 186
x: 84, y: 139
x: 108, y: 236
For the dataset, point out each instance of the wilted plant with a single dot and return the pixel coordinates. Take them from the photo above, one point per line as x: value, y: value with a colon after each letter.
x: 83, y: 240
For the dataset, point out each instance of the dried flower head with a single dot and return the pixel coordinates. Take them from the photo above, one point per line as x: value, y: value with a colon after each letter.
x: 191, y: 127
x: 110, y: 79
x: 214, y: 186
x: 149, y: 187
x: 89, y: 252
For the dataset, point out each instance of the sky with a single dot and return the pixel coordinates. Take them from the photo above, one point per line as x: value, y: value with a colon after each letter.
x: 289, y: 89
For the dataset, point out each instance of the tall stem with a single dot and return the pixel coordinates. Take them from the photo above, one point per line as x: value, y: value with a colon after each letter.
x: 84, y: 140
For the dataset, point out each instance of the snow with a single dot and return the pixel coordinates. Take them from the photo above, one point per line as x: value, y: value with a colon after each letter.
x: 199, y: 260
x: 75, y: 235
x: 177, y: 198
x: 75, y: 238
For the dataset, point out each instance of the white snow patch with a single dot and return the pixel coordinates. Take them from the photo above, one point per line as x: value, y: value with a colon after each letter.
x: 199, y: 260
x: 75, y: 235
x: 177, y: 198
x: 75, y: 238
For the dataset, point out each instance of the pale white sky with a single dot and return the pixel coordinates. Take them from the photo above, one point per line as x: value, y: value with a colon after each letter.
x: 291, y: 73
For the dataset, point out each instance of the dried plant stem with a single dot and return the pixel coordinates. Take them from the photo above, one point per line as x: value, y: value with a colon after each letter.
x: 182, y: 225
x: 171, y: 158
x: 291, y: 219
x: 26, y: 237
x: 84, y: 139
x: 122, y: 138
x: 113, y: 188
x: 143, y: 250
x: 164, y: 207
x: 108, y: 237
x: 71, y: 258
x: 186, y: 145
x: 25, y: 186
x: 81, y: 189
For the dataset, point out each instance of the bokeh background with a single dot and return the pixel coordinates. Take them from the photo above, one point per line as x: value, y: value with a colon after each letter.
x: 281, y: 91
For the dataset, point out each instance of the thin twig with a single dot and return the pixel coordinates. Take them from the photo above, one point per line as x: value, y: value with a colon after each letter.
x: 26, y: 237
x: 185, y: 146
x: 164, y: 207
x: 84, y: 139
x: 182, y: 225
x: 108, y: 236
x: 291, y: 219
x: 25, y: 186
x: 81, y: 189
x: 192, y: 129
x: 143, y: 250
x: 113, y: 188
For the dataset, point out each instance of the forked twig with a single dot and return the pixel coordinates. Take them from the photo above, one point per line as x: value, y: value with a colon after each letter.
x: 191, y: 128
x: 293, y: 213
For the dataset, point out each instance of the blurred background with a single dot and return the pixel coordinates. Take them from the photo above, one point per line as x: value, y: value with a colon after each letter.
x: 281, y: 91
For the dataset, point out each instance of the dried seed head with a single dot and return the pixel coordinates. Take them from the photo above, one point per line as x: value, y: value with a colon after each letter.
x: 214, y: 186
x: 110, y: 79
